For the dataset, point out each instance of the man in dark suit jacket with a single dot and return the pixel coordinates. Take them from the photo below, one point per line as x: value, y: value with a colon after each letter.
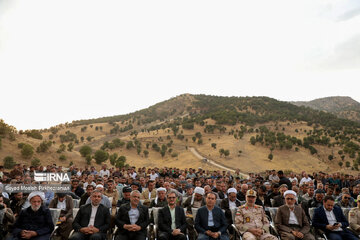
x: 132, y: 219
x: 172, y: 220
x: 291, y: 220
x: 92, y: 221
x: 34, y: 222
x: 210, y: 221
x: 280, y: 200
x: 332, y: 221
x: 284, y: 180
x: 230, y: 202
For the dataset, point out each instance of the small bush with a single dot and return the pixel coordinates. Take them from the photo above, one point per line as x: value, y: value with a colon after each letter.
x: 9, y: 162
x: 27, y: 151
x: 35, y: 162
x: 62, y: 157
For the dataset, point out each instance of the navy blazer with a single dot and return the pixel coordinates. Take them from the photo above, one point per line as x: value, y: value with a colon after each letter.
x: 320, y: 221
x: 201, y: 220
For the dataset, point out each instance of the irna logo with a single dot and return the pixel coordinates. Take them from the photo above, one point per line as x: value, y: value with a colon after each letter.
x: 52, y: 177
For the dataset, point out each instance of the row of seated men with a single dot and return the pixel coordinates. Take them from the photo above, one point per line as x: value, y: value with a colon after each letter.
x: 94, y: 219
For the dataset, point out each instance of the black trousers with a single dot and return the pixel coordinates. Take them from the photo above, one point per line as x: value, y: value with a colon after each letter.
x: 168, y: 236
x: 82, y: 236
x: 140, y: 235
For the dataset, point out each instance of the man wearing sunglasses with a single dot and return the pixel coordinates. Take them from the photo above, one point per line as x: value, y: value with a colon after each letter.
x: 172, y: 220
x: 345, y: 201
x: 291, y: 221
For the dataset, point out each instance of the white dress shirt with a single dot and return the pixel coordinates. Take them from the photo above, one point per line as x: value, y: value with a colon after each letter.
x: 61, y: 205
x: 292, y: 218
x: 93, y: 214
x: 331, y: 218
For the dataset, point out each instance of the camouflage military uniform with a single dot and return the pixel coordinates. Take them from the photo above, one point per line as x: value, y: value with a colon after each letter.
x: 252, y: 217
x: 354, y: 219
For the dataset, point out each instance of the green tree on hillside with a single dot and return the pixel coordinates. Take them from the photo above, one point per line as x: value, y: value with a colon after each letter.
x: 130, y: 145
x: 88, y: 159
x: 146, y: 153
x: 70, y: 147
x: 113, y: 158
x: 85, y: 150
x: 222, y: 152
x: 61, y: 149
x: 9, y: 162
x: 101, y: 156
x: 27, y: 151
x: 120, y: 162
x: 36, y: 162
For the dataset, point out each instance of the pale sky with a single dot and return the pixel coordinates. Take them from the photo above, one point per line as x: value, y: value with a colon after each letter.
x: 69, y: 60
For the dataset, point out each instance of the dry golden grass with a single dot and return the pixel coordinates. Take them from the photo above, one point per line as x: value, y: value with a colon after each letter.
x: 251, y: 159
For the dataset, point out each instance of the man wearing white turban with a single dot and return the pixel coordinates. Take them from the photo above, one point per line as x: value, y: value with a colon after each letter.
x: 228, y: 203
x: 34, y: 222
x: 291, y: 221
x: 160, y: 200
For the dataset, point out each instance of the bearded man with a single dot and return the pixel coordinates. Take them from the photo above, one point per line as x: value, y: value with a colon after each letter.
x: 291, y: 221
x: 35, y: 221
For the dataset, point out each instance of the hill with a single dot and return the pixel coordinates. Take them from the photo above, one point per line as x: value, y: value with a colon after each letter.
x: 343, y: 107
x: 250, y: 133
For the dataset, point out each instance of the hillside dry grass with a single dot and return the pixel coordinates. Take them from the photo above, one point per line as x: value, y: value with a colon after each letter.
x: 251, y: 159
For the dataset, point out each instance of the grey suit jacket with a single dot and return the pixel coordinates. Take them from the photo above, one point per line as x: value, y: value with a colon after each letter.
x: 282, y: 219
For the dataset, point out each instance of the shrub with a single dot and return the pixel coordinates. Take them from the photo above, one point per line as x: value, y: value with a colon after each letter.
x: 62, y: 157
x: 85, y: 150
x: 20, y: 145
x: 9, y: 162
x: 113, y: 158
x: 120, y: 162
x: 61, y: 149
x: 129, y: 145
x: 34, y: 134
x: 88, y: 159
x: 36, y: 162
x: 27, y: 151
x: 70, y: 147
x: 44, y: 146
x: 101, y: 156
x: 146, y: 153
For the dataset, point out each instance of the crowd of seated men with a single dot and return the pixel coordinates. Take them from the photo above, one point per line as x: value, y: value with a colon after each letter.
x: 115, y: 201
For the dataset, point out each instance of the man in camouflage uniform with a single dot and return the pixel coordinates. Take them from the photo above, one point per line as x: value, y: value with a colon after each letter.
x: 251, y: 220
x: 354, y: 217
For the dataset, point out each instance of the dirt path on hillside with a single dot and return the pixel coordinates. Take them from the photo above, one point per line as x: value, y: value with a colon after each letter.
x: 211, y: 162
